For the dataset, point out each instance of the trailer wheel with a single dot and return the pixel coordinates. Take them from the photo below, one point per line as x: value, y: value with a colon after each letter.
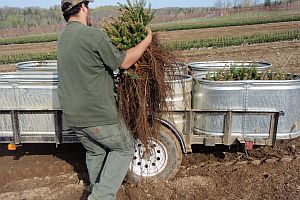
x: 162, y: 161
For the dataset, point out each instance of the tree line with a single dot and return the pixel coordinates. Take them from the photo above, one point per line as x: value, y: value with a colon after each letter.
x: 248, y: 3
x: 36, y: 17
x: 11, y: 17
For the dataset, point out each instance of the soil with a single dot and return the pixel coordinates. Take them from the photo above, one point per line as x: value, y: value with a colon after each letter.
x: 36, y: 171
x: 7, y: 68
x: 29, y: 48
x: 282, y: 55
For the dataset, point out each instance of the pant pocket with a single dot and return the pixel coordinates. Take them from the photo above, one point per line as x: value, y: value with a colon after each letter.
x: 109, y: 136
x: 126, y: 136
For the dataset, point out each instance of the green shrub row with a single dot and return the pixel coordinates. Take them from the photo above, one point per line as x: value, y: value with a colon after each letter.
x: 29, y: 39
x: 15, y: 58
x: 233, y: 41
x: 243, y: 22
x: 236, y: 73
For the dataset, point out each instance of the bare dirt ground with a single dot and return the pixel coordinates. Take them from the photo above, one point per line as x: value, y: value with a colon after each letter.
x: 7, y: 68
x: 282, y: 55
x: 28, y: 48
x: 43, y: 172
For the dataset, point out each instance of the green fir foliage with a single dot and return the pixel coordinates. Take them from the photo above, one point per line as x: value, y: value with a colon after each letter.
x: 222, y: 22
x: 242, y: 73
x: 129, y: 28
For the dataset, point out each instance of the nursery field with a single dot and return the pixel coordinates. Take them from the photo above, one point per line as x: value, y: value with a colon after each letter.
x: 222, y: 32
x: 36, y: 172
x: 174, y: 40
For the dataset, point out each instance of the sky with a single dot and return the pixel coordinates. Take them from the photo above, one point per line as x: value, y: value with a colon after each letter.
x: 154, y: 3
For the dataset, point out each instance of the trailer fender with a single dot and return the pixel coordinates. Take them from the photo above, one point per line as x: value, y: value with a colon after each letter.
x: 178, y: 135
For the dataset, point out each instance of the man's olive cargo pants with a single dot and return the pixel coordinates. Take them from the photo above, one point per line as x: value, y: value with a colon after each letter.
x: 109, y: 152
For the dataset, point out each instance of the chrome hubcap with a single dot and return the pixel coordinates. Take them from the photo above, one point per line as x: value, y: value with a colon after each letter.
x: 149, y: 163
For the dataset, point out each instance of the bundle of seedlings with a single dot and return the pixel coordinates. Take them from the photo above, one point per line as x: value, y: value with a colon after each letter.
x: 248, y: 73
x: 142, y: 89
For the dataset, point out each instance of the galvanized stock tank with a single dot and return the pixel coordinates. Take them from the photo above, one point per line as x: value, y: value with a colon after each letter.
x: 283, y: 95
x: 42, y: 66
x: 180, y: 68
x: 29, y: 91
x: 211, y: 66
x: 181, y: 100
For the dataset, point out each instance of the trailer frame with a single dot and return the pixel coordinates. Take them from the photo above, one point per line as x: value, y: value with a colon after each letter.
x: 186, y: 139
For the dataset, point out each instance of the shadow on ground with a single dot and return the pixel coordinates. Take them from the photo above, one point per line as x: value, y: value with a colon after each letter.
x: 73, y: 154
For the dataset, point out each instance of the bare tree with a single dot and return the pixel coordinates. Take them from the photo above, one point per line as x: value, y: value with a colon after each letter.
x: 229, y: 4
x: 236, y: 3
x: 256, y: 2
x: 247, y: 3
x: 267, y: 2
x: 219, y: 4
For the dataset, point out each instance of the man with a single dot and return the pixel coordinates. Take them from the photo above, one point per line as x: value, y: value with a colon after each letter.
x: 86, y: 61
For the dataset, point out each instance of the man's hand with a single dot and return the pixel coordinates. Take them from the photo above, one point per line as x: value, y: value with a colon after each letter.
x: 149, y: 32
x: 135, y: 53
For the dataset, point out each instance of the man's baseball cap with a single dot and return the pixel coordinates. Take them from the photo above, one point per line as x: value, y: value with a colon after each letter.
x: 73, y: 3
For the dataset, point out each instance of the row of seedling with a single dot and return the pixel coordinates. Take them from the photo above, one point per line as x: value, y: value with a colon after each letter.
x: 15, y: 58
x: 236, y: 73
x: 43, y: 38
x: 186, y: 25
x: 234, y: 41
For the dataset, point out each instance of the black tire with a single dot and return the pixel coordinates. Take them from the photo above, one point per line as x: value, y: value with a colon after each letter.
x: 162, y: 163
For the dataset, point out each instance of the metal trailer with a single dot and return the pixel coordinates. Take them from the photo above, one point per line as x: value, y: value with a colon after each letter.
x: 203, y: 112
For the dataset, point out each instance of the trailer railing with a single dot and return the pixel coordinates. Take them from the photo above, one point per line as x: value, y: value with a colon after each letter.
x: 227, y: 139
x: 187, y: 138
x: 16, y: 138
